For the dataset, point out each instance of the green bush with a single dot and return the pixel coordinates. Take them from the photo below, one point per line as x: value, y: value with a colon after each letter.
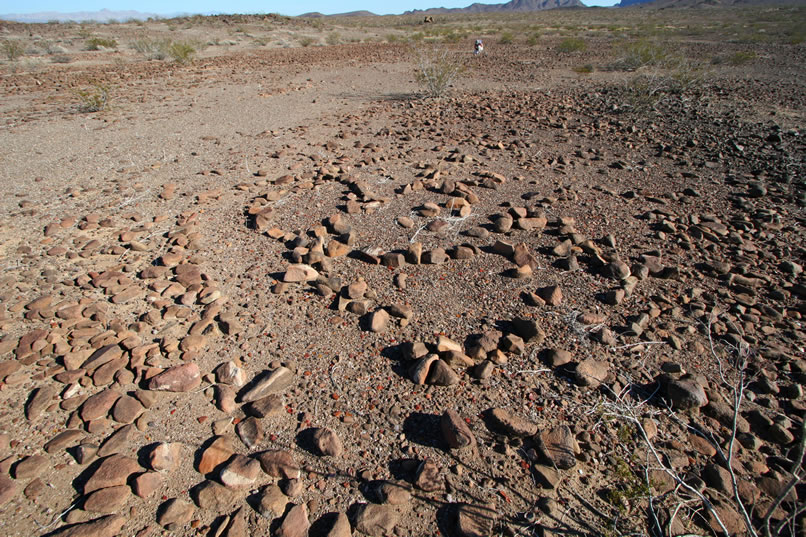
x: 741, y: 58
x: 333, y: 38
x: 94, y: 99
x: 571, y: 44
x: 642, y: 53
x: 436, y: 69
x: 13, y: 50
x: 181, y: 51
x: 533, y: 38
x: 506, y: 38
x: 583, y: 69
x: 97, y: 43
x: 306, y: 41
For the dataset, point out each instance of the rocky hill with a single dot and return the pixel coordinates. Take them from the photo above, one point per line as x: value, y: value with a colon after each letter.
x: 512, y: 6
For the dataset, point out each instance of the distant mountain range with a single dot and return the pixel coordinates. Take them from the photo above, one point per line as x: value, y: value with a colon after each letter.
x: 104, y: 15
x: 509, y: 7
x: 513, y: 6
x: 705, y: 3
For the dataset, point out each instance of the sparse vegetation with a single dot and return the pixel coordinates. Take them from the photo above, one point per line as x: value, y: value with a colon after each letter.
x: 181, y: 51
x: 98, y: 43
x: 12, y: 49
x: 583, y: 69
x: 93, y: 99
x: 306, y: 41
x: 506, y: 38
x: 571, y: 44
x: 437, y: 68
x: 333, y: 38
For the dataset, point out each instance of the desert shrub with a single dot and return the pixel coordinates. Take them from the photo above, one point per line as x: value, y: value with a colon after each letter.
x: 93, y: 99
x: 306, y: 41
x: 583, y: 69
x: 641, y: 53
x: 333, y: 38
x: 741, y: 58
x: 571, y: 44
x: 392, y: 38
x: 181, y: 51
x: 61, y: 58
x: 506, y: 38
x: 533, y: 38
x: 436, y: 70
x: 97, y: 43
x: 13, y: 50
x: 151, y: 48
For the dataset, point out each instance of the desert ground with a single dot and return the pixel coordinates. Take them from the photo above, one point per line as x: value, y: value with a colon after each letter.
x: 341, y: 276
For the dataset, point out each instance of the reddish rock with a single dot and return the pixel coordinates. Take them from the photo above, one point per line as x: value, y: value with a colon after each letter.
x: 180, y: 378
x: 295, y: 523
x: 216, y: 453
x: 279, y: 463
x: 113, y: 471
x: 106, y: 526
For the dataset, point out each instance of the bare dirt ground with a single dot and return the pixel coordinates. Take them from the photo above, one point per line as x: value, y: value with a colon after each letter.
x: 274, y: 290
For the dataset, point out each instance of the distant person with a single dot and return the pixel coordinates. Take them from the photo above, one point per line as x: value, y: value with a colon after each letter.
x: 478, y: 48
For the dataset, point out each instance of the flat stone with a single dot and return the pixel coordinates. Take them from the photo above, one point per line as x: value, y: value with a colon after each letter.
x: 180, y: 378
x: 112, y: 471
x: 250, y: 431
x: 475, y: 520
x: 31, y: 467
x: 8, y: 488
x: 146, y: 484
x: 240, y: 472
x: 64, y: 439
x: 127, y: 409
x: 174, y: 514
x: 269, y: 406
x: 212, y: 496
x: 279, y: 463
x: 560, y: 446
x: 108, y: 500
x: 106, y: 526
x: 394, y: 493
x: 271, y: 502
x: 510, y: 423
x: 686, y: 393
x: 455, y: 430
x: 165, y: 457
x: 441, y: 374
x: 300, y: 273
x: 376, y: 520
x: 327, y: 442
x: 295, y: 523
x: 591, y: 372
x: 117, y: 441
x: 558, y: 357
x: 38, y: 401
x: 275, y: 381
x: 219, y: 450
x: 428, y: 476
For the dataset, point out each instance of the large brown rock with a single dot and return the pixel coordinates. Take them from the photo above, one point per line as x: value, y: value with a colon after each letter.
x: 509, y: 423
x: 279, y: 463
x: 327, y: 442
x: 295, y: 523
x: 455, y: 430
x: 112, y: 471
x: 180, y: 378
x: 560, y: 446
x: 219, y: 450
x: 106, y: 526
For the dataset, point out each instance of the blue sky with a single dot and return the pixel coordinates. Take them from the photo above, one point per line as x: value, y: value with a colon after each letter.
x: 237, y: 6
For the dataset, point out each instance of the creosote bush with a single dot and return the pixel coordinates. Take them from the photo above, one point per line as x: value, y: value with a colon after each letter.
x: 572, y: 44
x: 436, y: 70
x: 13, y: 50
x: 97, y: 43
x: 181, y: 51
x: 94, y: 99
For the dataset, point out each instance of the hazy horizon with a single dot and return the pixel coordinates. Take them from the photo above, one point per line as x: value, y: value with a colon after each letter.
x: 215, y: 7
